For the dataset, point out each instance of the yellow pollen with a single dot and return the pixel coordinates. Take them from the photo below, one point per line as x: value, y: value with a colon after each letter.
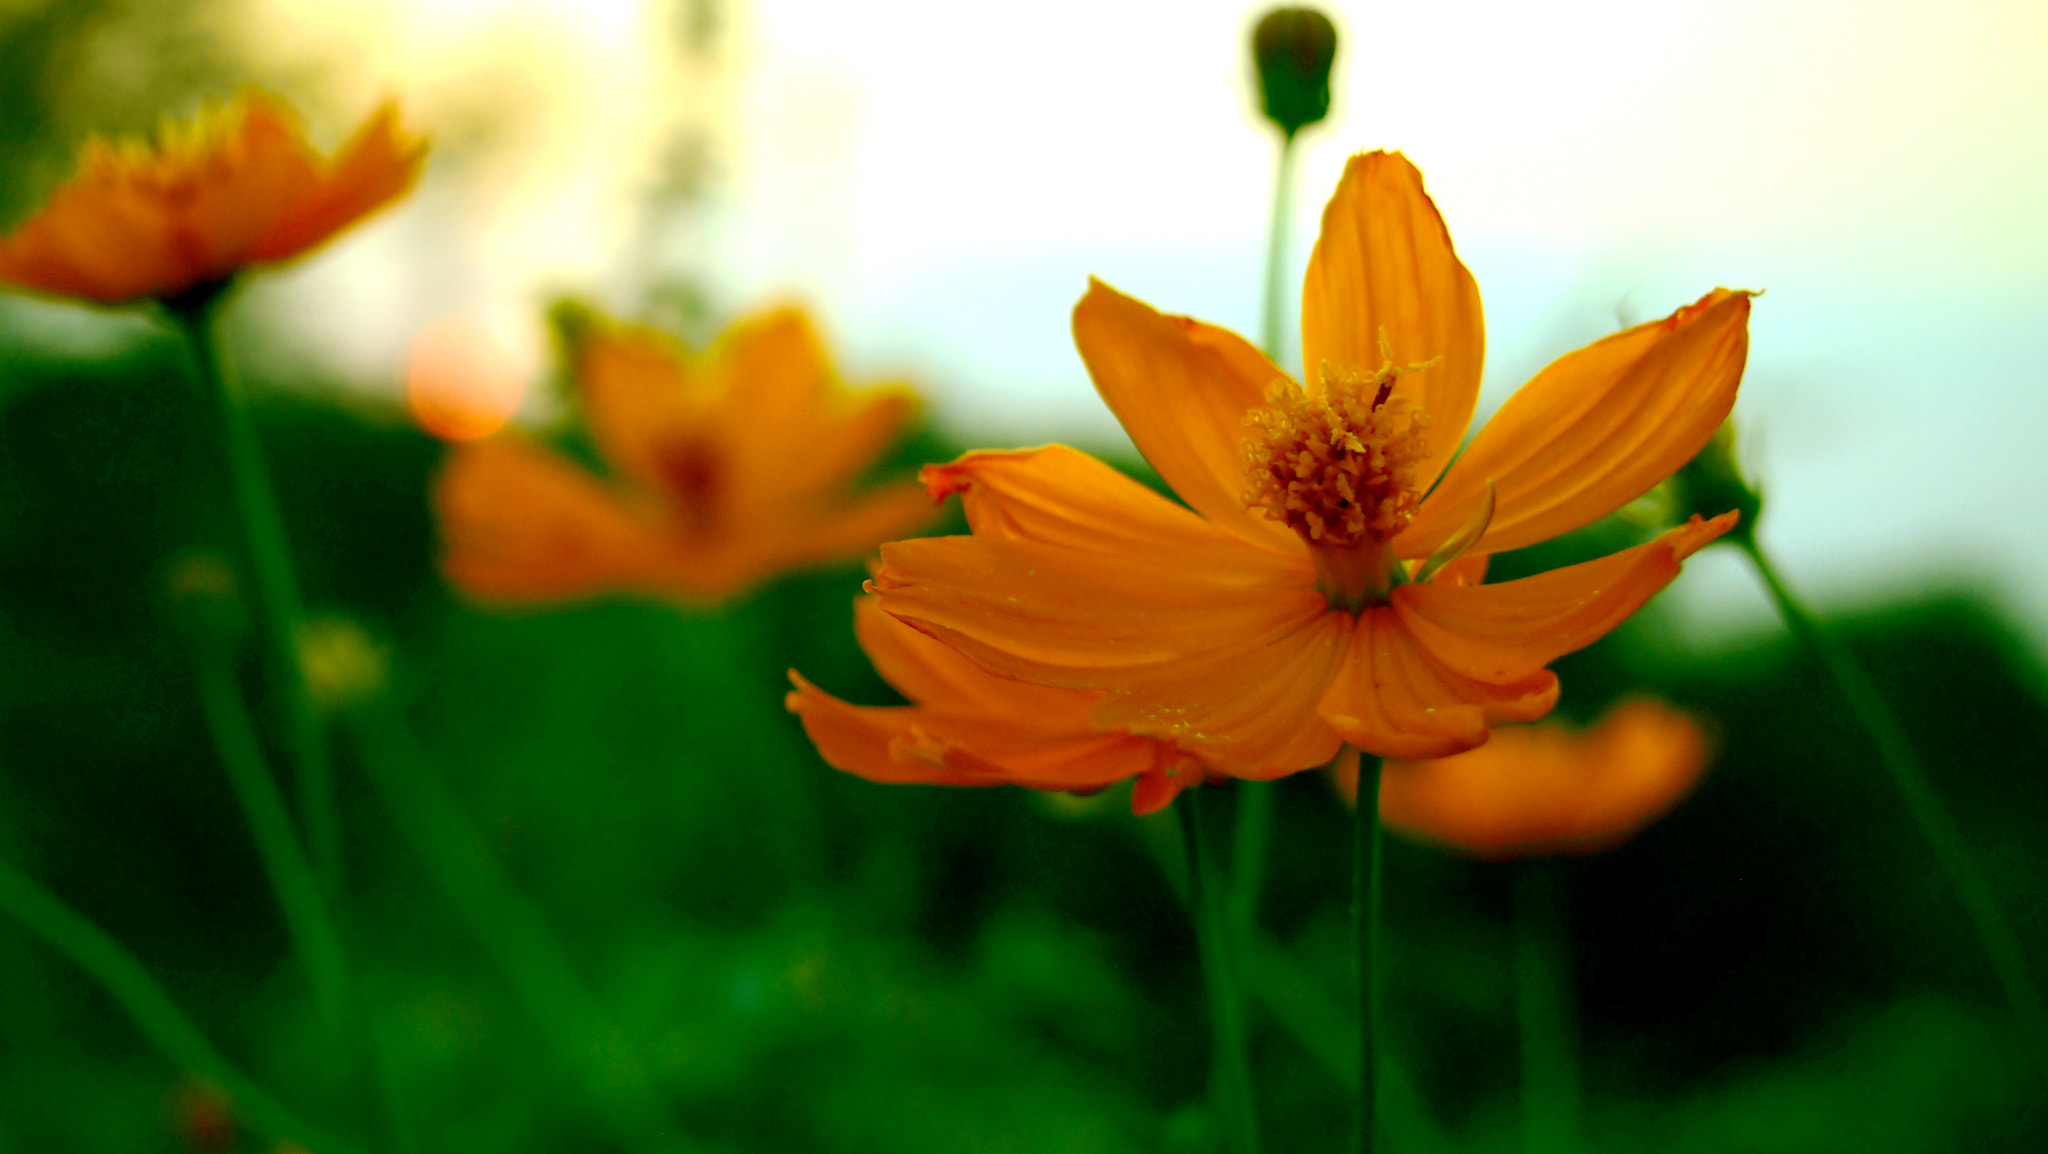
x: 1337, y: 467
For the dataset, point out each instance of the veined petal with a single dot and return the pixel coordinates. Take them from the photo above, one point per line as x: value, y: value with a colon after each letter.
x: 1059, y: 615
x: 519, y: 523
x: 1061, y: 496
x: 916, y: 744
x: 1596, y: 429
x: 1181, y: 389
x: 1384, y: 265
x: 1507, y: 632
x: 1392, y: 698
x: 373, y: 169
x: 932, y: 673
x: 1250, y: 710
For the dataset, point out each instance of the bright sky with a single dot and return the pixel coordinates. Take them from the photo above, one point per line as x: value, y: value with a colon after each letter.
x: 939, y: 180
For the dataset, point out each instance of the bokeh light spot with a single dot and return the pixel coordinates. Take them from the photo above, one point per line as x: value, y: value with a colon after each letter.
x: 464, y: 378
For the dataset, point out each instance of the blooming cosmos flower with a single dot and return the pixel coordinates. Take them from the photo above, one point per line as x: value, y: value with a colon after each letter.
x: 971, y: 727
x: 725, y: 469
x: 236, y: 187
x: 1299, y: 604
x: 1546, y: 789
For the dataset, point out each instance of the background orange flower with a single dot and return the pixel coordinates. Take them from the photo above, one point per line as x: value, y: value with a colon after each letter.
x: 235, y: 187
x: 1545, y: 789
x: 726, y: 469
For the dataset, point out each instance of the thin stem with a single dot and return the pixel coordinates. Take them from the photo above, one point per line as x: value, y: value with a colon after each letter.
x: 1230, y: 1072
x: 1276, y: 248
x: 313, y: 930
x: 154, y: 1013
x: 1896, y: 752
x: 277, y: 589
x: 1545, y: 1012
x: 1365, y: 920
x: 511, y: 929
x: 306, y: 918
x: 1249, y: 836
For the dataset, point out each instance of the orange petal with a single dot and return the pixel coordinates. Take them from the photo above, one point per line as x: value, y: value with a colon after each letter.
x: 1181, y: 389
x: 930, y: 672
x: 100, y: 244
x: 1507, y: 632
x: 917, y: 744
x: 773, y: 379
x: 373, y: 169
x: 1054, y: 609
x: 1596, y: 429
x: 1384, y: 266
x: 262, y: 175
x: 520, y: 524
x: 1391, y: 698
x: 845, y: 443
x: 849, y: 530
x: 1547, y: 788
x: 641, y: 397
x: 1189, y: 652
x: 1060, y: 496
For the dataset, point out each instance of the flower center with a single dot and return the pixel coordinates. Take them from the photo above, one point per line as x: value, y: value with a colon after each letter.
x: 1338, y: 466
x: 693, y: 470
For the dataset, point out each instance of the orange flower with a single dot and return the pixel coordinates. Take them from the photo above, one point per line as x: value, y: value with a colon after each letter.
x: 1303, y: 602
x: 971, y: 727
x: 1545, y: 789
x: 725, y: 470
x: 236, y: 187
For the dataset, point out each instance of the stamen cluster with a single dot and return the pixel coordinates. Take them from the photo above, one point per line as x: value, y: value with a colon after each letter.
x: 1337, y: 467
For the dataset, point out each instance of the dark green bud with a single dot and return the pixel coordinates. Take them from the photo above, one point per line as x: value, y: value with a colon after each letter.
x: 1294, y: 48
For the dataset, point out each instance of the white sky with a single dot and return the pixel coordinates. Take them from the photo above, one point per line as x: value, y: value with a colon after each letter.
x: 939, y: 180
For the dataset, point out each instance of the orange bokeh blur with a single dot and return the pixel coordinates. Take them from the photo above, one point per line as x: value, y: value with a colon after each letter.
x: 463, y: 380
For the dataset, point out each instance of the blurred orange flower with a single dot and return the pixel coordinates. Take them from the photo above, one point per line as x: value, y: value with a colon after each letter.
x: 971, y: 727
x: 1302, y: 602
x: 725, y: 469
x: 235, y: 187
x: 1545, y: 789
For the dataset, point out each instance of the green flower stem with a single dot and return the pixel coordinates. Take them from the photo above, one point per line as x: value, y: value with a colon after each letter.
x: 1230, y: 1072
x: 1365, y: 920
x: 308, y: 921
x: 154, y: 1013
x: 306, y: 918
x: 1317, y: 1021
x: 1276, y: 248
x: 277, y: 587
x: 1544, y: 1008
x: 1249, y: 836
x: 511, y: 929
x: 1896, y: 752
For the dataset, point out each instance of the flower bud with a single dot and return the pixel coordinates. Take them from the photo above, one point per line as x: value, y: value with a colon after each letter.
x: 342, y: 663
x: 1293, y: 49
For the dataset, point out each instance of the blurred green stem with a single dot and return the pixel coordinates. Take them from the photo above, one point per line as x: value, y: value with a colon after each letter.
x: 1545, y: 1011
x: 511, y: 929
x: 306, y: 917
x: 1365, y: 920
x: 152, y: 1010
x: 277, y: 587
x: 308, y: 920
x: 1230, y: 1072
x: 1896, y: 752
